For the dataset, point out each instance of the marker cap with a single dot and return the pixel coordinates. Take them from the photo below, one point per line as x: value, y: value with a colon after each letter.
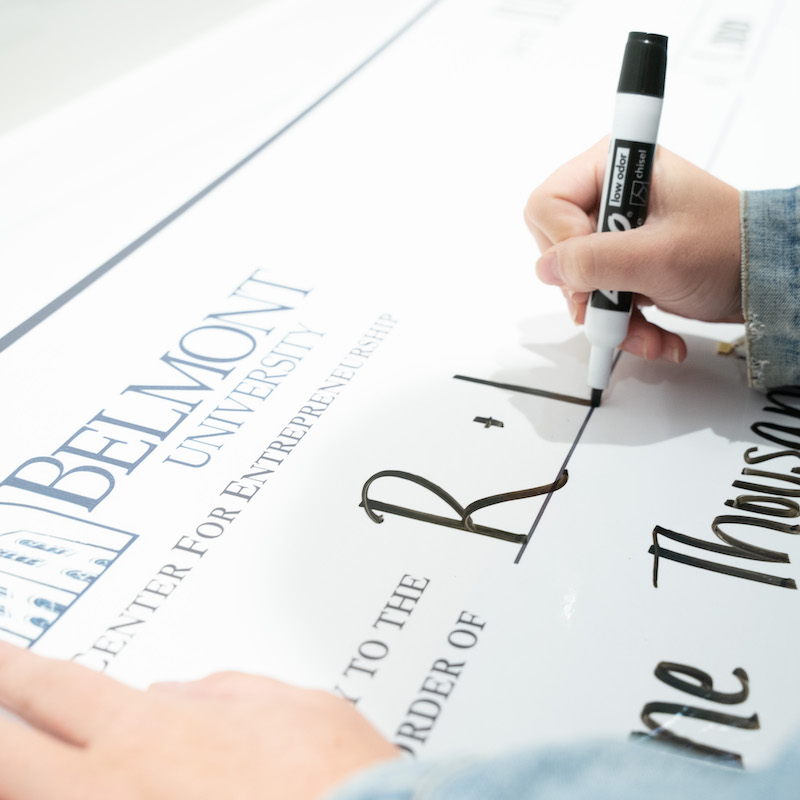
x: 644, y: 66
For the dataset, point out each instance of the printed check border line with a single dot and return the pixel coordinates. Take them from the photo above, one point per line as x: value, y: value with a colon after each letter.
x: 563, y: 467
x: 547, y: 499
x: 46, y: 311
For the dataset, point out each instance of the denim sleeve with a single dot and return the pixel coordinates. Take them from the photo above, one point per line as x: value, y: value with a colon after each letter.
x: 618, y: 771
x: 771, y: 286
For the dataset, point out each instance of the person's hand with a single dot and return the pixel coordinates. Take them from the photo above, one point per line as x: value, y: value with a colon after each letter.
x: 684, y: 259
x: 227, y: 736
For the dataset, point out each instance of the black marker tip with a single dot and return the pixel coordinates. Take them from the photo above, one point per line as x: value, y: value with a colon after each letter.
x: 596, y: 395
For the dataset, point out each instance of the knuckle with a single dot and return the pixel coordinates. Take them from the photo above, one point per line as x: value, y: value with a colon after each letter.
x: 532, y: 212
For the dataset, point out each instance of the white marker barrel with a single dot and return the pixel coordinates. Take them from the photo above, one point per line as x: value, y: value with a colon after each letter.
x: 626, y: 186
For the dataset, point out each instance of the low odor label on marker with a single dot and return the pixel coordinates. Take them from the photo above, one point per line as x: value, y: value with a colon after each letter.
x: 619, y: 170
x: 626, y: 204
x: 628, y: 185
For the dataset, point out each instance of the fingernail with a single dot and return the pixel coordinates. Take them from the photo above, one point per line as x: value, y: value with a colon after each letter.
x: 573, y: 309
x: 673, y: 355
x: 547, y: 269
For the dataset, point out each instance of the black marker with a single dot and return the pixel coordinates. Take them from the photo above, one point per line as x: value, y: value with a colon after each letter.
x: 626, y: 187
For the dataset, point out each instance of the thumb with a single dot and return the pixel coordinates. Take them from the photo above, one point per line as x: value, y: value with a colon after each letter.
x: 627, y: 261
x: 562, y: 220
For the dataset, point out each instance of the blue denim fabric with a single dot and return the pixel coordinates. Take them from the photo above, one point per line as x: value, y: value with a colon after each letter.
x: 615, y: 771
x: 771, y: 286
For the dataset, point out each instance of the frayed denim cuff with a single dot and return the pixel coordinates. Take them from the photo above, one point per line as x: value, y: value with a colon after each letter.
x: 770, y: 229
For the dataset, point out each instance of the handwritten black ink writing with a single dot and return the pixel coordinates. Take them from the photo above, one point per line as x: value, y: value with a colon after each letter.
x: 703, y: 687
x: 784, y: 409
x: 488, y: 422
x: 739, y: 550
x: 751, y: 459
x: 464, y: 522
x: 564, y: 398
x: 770, y: 498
